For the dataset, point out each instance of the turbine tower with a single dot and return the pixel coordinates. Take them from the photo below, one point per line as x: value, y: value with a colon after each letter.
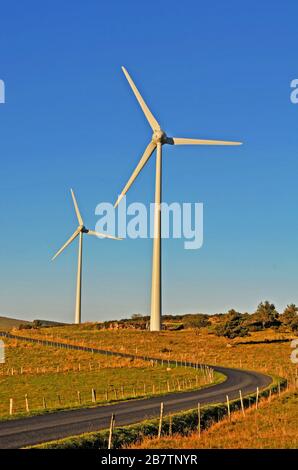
x: 159, y: 138
x: 79, y: 233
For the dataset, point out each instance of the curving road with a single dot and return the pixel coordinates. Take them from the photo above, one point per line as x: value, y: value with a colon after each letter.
x: 37, y: 429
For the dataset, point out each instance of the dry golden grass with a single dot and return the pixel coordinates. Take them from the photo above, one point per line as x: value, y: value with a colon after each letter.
x: 273, y: 425
x: 31, y: 358
x: 191, y: 345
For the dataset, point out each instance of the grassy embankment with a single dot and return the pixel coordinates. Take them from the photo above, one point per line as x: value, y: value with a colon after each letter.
x: 273, y: 425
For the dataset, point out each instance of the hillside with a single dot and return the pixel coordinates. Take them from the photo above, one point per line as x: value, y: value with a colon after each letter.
x: 7, y: 323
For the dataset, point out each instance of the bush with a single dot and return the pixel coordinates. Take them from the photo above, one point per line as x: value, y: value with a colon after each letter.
x: 233, y: 326
x: 196, y: 321
x: 289, y: 315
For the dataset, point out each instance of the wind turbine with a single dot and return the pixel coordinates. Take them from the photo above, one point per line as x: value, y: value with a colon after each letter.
x: 79, y: 233
x: 159, y: 138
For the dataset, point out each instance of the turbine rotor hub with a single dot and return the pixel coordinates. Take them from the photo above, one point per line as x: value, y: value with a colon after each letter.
x: 159, y: 136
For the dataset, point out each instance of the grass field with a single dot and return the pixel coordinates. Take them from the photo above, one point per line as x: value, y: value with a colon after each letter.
x: 51, y: 378
x: 267, y: 351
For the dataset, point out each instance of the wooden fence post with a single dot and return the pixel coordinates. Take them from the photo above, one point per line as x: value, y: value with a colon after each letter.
x: 170, y: 425
x: 199, y: 419
x: 112, y: 425
x: 93, y: 393
x: 26, y: 403
x: 10, y: 406
x: 160, y: 420
x: 241, y: 401
x: 228, y: 405
x: 257, y: 398
x: 79, y: 397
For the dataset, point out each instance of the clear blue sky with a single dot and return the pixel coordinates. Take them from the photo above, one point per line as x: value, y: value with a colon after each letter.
x: 208, y: 70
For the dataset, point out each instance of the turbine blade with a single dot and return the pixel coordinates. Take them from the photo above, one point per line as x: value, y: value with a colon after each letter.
x: 146, y: 155
x: 182, y: 141
x: 150, y: 118
x: 102, y: 235
x: 74, y: 235
x: 80, y: 220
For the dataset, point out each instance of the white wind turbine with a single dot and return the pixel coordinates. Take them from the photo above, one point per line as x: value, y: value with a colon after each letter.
x: 159, y: 138
x: 79, y: 233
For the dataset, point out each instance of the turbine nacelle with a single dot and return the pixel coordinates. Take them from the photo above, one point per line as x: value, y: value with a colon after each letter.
x: 81, y: 229
x: 159, y: 136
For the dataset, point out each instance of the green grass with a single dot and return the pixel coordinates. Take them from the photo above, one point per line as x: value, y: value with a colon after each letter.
x: 35, y: 375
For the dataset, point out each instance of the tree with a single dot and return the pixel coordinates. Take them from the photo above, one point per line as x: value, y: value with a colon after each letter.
x: 233, y: 325
x: 289, y: 314
x: 266, y: 314
x: 294, y: 325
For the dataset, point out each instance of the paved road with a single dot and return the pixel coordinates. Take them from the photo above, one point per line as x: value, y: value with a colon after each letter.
x: 37, y: 429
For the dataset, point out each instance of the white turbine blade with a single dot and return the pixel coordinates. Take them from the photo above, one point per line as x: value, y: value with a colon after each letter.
x: 182, y: 141
x: 74, y: 235
x: 80, y: 220
x: 150, y: 118
x: 102, y: 235
x: 146, y: 155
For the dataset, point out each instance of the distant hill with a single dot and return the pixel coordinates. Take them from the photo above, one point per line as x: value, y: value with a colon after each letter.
x: 7, y: 323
